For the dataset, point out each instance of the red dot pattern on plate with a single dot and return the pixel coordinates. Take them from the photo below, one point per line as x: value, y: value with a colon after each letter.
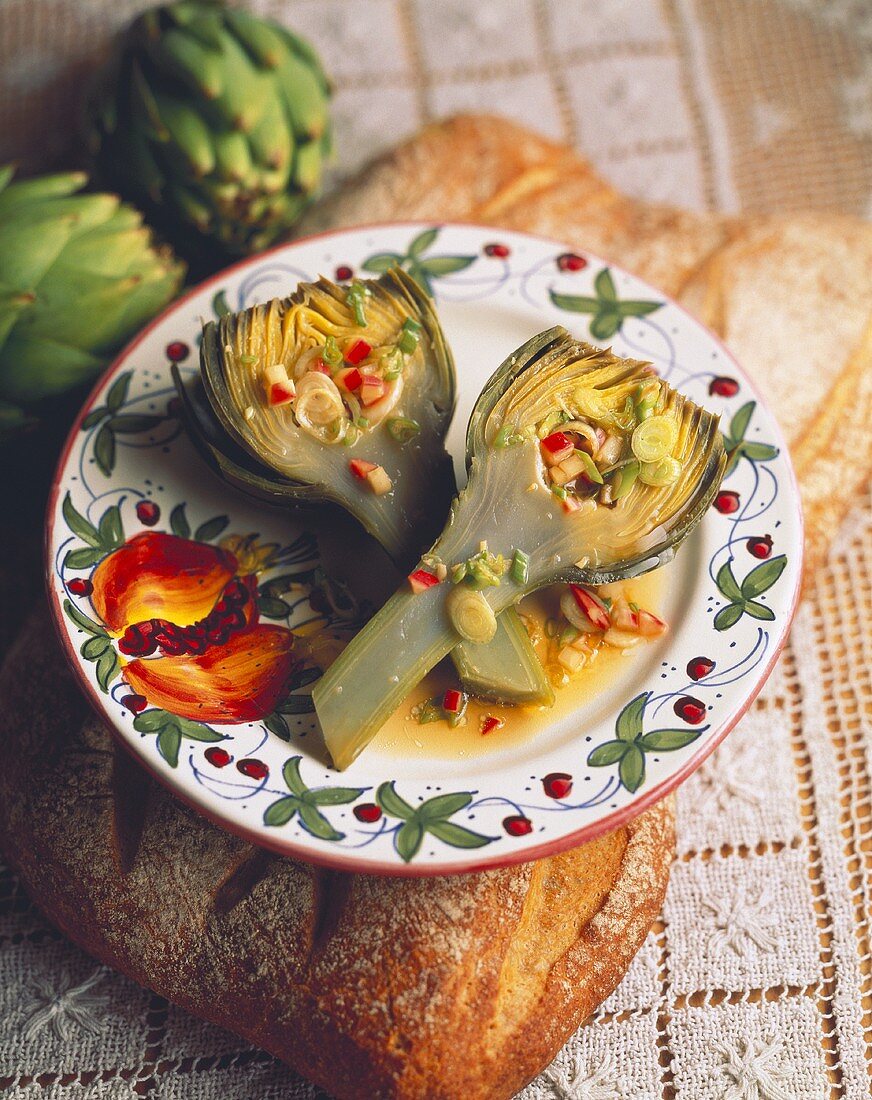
x: 517, y: 825
x: 254, y: 769
x: 571, y: 261
x: 557, y: 784
x: 723, y: 387
x: 689, y: 710
x: 699, y: 667
x: 134, y: 703
x: 727, y: 502
x: 147, y: 512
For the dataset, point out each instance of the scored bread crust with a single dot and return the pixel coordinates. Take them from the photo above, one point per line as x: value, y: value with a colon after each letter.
x: 791, y: 296
x: 437, y: 988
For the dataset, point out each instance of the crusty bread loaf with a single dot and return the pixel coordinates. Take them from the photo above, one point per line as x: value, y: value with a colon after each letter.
x: 454, y: 988
x: 791, y: 297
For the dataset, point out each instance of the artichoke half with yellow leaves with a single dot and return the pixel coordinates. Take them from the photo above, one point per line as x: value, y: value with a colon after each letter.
x: 79, y: 275
x: 215, y: 121
x: 344, y: 394
x: 583, y: 467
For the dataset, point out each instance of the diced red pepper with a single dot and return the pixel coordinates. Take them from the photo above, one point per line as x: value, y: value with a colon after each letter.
x: 357, y: 352
x: 453, y: 701
x: 490, y: 723
x: 361, y: 468
x: 556, y: 448
x: 320, y: 367
x: 421, y: 580
x: 569, y: 503
x: 281, y: 393
x: 592, y: 606
x: 350, y: 379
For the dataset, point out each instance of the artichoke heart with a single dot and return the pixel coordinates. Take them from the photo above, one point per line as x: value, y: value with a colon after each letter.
x: 342, y: 384
x: 564, y: 448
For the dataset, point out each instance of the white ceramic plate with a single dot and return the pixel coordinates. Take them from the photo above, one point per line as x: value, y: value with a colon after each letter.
x: 129, y: 479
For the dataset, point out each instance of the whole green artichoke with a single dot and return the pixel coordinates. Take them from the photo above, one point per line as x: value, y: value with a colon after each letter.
x: 79, y: 274
x: 213, y: 120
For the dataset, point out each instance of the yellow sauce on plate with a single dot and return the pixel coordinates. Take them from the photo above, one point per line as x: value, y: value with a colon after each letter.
x: 404, y: 737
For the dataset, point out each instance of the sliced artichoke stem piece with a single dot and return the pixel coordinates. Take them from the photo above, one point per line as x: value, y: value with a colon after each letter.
x: 303, y: 468
x: 400, y: 645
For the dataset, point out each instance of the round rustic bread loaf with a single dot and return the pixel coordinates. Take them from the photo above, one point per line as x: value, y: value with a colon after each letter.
x: 437, y: 988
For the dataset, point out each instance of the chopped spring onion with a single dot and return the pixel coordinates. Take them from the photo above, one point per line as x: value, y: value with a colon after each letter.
x: 591, y: 472
x: 331, y: 352
x: 559, y: 492
x: 430, y: 711
x: 520, y: 569
x: 470, y: 614
x: 356, y: 297
x: 458, y: 572
x: 248, y: 359
x: 660, y: 474
x: 625, y: 478
x: 646, y: 398
x: 552, y: 421
x: 403, y: 429
x: 484, y: 569
x: 508, y: 436
x: 654, y: 438
x: 352, y: 434
x: 408, y: 341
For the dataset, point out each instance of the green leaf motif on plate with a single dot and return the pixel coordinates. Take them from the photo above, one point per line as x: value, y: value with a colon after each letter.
x: 305, y: 803
x: 424, y: 269
x: 101, y: 540
x: 608, y: 312
x: 431, y: 816
x: 743, y: 597
x: 737, y: 447
x: 97, y: 647
x: 631, y: 743
x: 112, y: 423
x: 172, y: 730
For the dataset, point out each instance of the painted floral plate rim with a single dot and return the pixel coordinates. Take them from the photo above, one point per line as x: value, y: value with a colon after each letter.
x: 117, y: 522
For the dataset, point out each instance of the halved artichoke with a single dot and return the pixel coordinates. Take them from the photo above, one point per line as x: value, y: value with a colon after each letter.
x: 514, y: 508
x: 267, y: 452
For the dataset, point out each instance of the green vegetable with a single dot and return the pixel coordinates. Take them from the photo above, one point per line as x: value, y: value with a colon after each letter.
x: 403, y: 428
x: 332, y: 353
x: 508, y: 436
x: 78, y: 276
x: 654, y: 438
x: 520, y: 570
x: 590, y: 468
x: 273, y: 459
x: 356, y: 297
x: 214, y: 120
x: 403, y: 641
x: 625, y: 478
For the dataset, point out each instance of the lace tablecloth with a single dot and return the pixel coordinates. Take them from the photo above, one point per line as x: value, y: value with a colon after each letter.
x: 756, y: 984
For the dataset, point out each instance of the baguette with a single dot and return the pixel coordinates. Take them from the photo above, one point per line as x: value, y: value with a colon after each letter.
x: 440, y: 988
